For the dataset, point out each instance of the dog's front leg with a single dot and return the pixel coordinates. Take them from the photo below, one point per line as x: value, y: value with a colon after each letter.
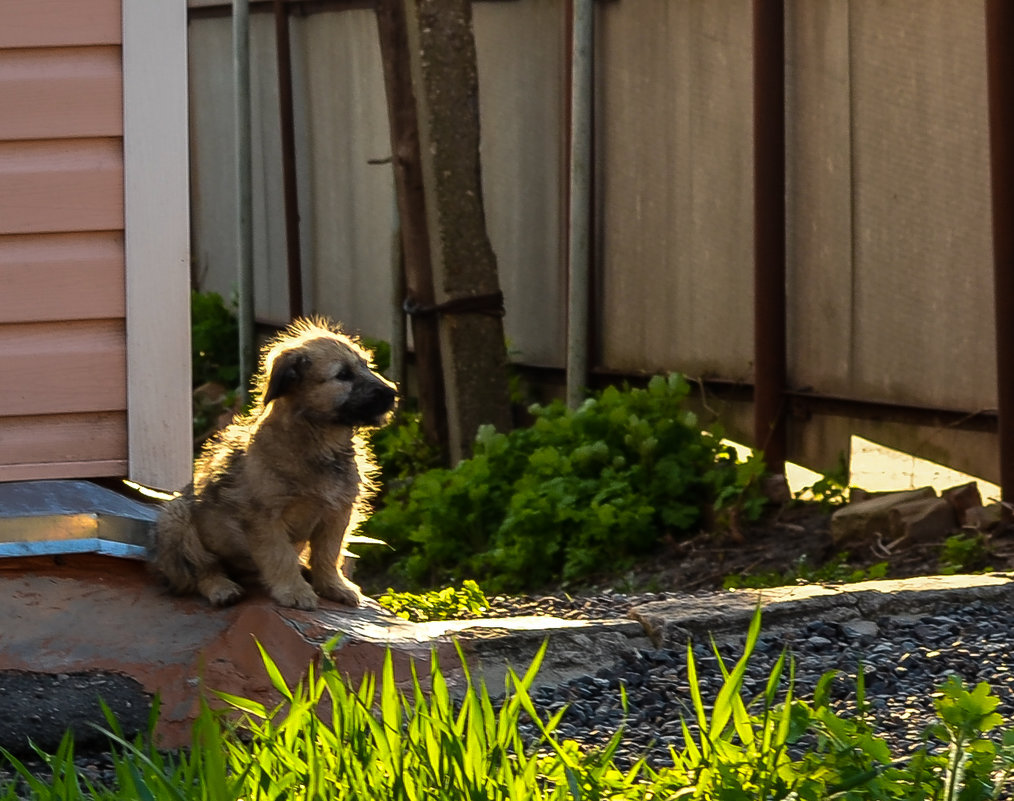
x: 279, y: 568
x: 326, y: 556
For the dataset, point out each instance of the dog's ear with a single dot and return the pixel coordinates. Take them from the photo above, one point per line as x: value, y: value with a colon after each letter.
x: 286, y: 372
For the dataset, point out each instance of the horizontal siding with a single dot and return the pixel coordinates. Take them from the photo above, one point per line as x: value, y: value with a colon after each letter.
x: 61, y: 92
x: 61, y: 277
x: 49, y: 23
x: 42, y: 470
x: 63, y: 339
x: 64, y: 438
x: 61, y: 185
x: 58, y: 368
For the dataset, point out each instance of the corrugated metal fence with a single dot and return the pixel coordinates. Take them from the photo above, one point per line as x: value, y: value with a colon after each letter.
x: 889, y: 254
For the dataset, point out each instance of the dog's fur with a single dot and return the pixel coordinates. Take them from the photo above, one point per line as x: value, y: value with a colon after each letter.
x: 292, y: 473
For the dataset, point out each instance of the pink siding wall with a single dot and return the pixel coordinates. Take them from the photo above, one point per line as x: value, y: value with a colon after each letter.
x: 62, y: 337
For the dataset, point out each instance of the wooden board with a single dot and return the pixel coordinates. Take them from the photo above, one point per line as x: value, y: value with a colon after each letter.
x: 42, y: 470
x: 64, y: 438
x: 157, y: 243
x: 674, y: 191
x: 47, y: 23
x: 61, y: 185
x: 50, y: 93
x: 58, y: 368
x: 61, y: 277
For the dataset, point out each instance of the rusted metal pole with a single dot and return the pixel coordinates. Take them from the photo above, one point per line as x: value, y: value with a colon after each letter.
x: 407, y: 163
x: 1000, y: 78
x: 769, y: 231
x: 288, y: 132
x: 244, y: 195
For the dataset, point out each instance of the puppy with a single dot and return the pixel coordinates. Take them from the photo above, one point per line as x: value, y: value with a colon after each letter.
x: 291, y: 473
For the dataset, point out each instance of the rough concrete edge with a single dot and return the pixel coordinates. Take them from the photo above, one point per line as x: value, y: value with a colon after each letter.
x: 491, y: 648
x: 569, y: 652
x: 731, y: 615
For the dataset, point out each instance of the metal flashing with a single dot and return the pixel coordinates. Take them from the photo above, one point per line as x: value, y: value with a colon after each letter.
x: 45, y: 518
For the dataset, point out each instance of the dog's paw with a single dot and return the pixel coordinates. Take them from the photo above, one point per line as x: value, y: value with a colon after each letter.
x: 344, y: 593
x: 299, y: 596
x: 220, y: 591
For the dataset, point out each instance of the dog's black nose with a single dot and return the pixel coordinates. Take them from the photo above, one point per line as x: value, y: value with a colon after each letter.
x: 386, y: 396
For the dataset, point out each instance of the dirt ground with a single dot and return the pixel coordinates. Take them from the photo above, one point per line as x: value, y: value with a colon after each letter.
x: 795, y: 545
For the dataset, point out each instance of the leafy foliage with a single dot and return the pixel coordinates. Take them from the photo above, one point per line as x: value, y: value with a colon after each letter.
x: 831, y: 489
x: 576, y: 492
x: 445, y: 604
x: 964, y: 553
x: 214, y: 340
x: 401, y: 451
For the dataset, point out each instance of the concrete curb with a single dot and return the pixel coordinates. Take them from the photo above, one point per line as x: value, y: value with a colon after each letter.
x: 668, y: 623
x: 93, y: 613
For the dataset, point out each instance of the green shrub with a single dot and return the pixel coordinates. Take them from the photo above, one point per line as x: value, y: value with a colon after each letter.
x: 965, y: 553
x: 214, y: 340
x: 578, y: 492
x: 401, y: 451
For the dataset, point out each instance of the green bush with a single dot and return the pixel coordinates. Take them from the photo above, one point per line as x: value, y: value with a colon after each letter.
x: 578, y: 492
x: 214, y: 340
x: 401, y: 451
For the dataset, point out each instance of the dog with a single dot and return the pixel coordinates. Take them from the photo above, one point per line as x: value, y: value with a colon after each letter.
x: 291, y: 473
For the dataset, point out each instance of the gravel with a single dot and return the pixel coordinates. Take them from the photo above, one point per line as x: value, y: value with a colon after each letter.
x: 904, y: 659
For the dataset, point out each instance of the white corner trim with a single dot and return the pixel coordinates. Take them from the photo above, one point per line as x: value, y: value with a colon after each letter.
x: 157, y: 241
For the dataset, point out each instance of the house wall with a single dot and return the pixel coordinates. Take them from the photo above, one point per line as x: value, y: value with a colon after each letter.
x: 65, y: 332
x: 63, y: 397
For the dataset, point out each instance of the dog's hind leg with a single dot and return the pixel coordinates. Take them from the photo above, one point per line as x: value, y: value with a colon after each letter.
x: 181, y: 558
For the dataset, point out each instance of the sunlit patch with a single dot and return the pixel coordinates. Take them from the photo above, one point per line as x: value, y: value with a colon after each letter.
x: 878, y: 468
x: 148, y: 492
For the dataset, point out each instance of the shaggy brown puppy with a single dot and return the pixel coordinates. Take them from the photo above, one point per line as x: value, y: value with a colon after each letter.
x: 292, y: 473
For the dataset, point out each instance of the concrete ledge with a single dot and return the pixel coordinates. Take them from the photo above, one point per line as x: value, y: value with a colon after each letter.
x: 669, y: 623
x: 87, y: 613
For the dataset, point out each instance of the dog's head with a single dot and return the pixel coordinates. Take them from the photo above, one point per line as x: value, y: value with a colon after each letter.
x: 325, y: 377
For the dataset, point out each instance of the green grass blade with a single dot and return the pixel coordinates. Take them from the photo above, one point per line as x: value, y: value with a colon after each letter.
x: 274, y: 674
x: 724, y: 703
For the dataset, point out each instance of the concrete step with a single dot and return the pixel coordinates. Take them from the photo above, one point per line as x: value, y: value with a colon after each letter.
x: 94, y: 614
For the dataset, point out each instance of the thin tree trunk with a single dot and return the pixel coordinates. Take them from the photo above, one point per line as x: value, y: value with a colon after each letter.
x: 469, y: 304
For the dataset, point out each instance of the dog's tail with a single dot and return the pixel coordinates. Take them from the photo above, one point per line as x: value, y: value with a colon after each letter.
x: 178, y: 555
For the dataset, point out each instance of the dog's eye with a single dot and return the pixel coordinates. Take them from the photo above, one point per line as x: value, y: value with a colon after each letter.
x: 345, y: 374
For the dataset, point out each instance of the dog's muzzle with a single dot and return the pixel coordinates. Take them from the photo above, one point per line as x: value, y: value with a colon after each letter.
x: 368, y: 405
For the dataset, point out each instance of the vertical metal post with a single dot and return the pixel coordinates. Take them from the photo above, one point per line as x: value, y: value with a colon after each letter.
x: 1000, y: 78
x: 244, y: 222
x: 288, y: 137
x: 769, y: 231
x: 578, y: 240
x: 415, y: 250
